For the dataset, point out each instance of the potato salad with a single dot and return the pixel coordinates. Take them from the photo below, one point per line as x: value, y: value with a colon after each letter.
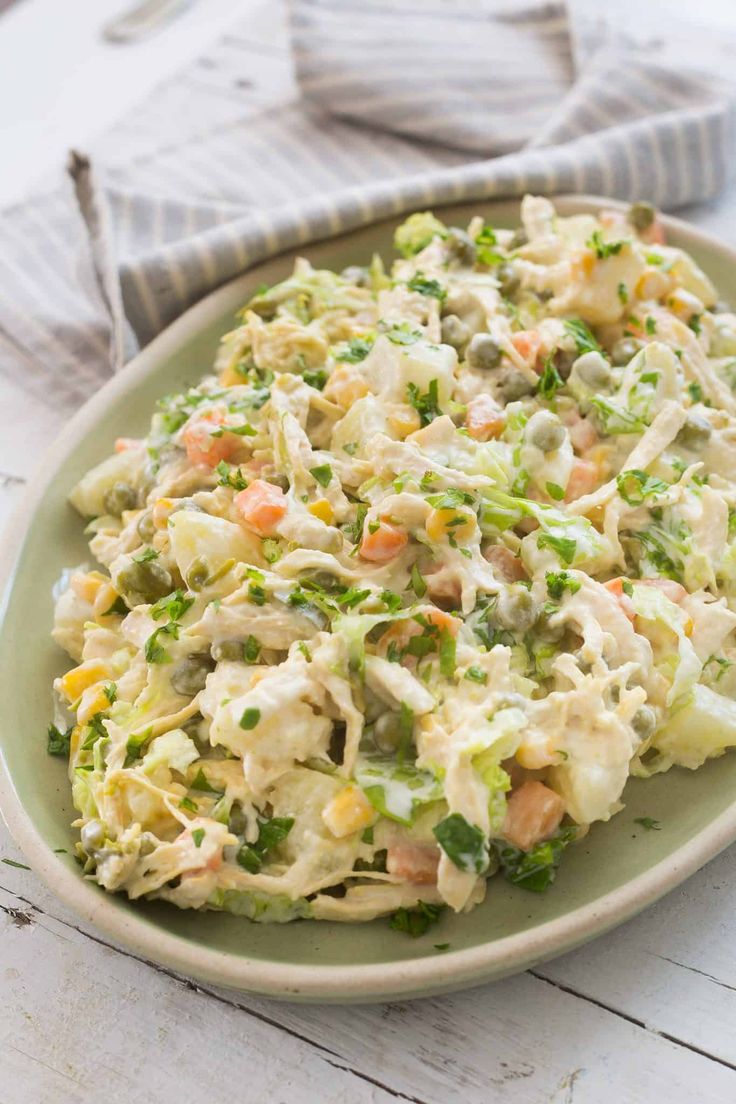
x: 401, y: 595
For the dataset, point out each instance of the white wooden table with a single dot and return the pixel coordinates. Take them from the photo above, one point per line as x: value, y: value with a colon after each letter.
x: 645, y: 1014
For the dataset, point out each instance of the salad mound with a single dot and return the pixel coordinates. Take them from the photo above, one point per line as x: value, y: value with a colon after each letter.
x: 403, y: 593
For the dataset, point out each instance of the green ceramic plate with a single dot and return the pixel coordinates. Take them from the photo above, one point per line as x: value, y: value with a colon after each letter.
x: 616, y: 871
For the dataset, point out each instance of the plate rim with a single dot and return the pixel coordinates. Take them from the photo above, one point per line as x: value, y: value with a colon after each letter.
x: 421, y: 976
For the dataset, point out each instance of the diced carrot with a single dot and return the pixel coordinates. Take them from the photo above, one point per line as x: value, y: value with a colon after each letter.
x: 400, y: 633
x: 583, y: 435
x: 443, y: 621
x: 671, y: 589
x: 654, y: 235
x: 527, y: 344
x: 583, y: 479
x: 533, y: 813
x: 413, y: 862
x: 261, y: 506
x: 505, y: 564
x: 384, y: 543
x: 484, y: 418
x: 201, y: 446
x: 616, y: 587
x: 613, y: 220
x: 122, y: 444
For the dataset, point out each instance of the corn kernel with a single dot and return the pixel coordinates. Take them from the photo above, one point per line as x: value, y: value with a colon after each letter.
x: 230, y: 378
x: 588, y: 262
x: 94, y: 700
x: 533, y: 755
x: 684, y: 304
x: 404, y: 420
x: 86, y: 585
x: 323, y: 510
x: 106, y: 597
x: 653, y: 284
x: 458, y: 524
x: 75, y: 682
x: 75, y: 740
x: 349, y: 811
x: 161, y: 510
x: 345, y: 387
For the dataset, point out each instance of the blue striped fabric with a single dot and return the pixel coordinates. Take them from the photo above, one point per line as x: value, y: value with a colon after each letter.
x: 404, y: 105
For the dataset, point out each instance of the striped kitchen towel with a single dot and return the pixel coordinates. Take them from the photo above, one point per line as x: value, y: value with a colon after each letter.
x: 404, y: 104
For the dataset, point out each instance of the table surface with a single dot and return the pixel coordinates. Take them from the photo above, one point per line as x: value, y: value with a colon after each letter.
x: 644, y: 1013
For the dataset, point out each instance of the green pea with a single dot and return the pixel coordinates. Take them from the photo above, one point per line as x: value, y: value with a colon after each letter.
x: 455, y: 332
x: 644, y: 722
x: 145, y: 527
x: 121, y: 496
x: 483, y: 352
x: 624, y: 350
x: 461, y: 246
x: 516, y: 609
x: 545, y: 431
x: 514, y: 385
x: 190, y: 676
x: 593, y: 370
x: 228, y: 650
x: 238, y: 822
x: 695, y: 433
x: 144, y: 582
x: 198, y: 573
x: 641, y: 216
x: 509, y: 281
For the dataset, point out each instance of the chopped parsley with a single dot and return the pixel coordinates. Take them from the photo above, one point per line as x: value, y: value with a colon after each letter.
x: 476, y: 674
x: 173, y: 606
x: 560, y: 581
x: 427, y: 404
x: 154, y: 650
x: 426, y: 286
x: 601, y: 248
x: 634, y: 486
x: 564, y: 547
x: 415, y: 921
x: 357, y: 349
x: 58, y: 742
x: 649, y: 823
x: 463, y: 843
x: 197, y: 836
x: 585, y: 342
x: 271, y: 832
x: 550, y: 381
x: 323, y: 474
x: 250, y: 718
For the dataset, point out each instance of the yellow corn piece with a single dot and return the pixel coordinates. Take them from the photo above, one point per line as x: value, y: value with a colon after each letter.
x: 230, y: 378
x: 653, y: 284
x: 684, y: 304
x: 75, y: 682
x: 536, y: 753
x: 105, y: 598
x: 161, y: 510
x: 94, y: 700
x: 345, y: 387
x: 588, y: 262
x: 349, y: 811
x: 86, y: 584
x: 321, y: 509
x: 404, y: 420
x: 74, y: 740
x: 458, y: 524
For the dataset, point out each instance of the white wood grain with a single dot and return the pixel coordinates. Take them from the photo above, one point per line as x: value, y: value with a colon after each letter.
x: 523, y: 1038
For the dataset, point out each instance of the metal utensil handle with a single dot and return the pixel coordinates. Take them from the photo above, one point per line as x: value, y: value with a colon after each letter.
x: 143, y: 20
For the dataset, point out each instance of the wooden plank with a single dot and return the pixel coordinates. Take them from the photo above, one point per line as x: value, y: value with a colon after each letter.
x: 526, y: 1037
x: 80, y: 1022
